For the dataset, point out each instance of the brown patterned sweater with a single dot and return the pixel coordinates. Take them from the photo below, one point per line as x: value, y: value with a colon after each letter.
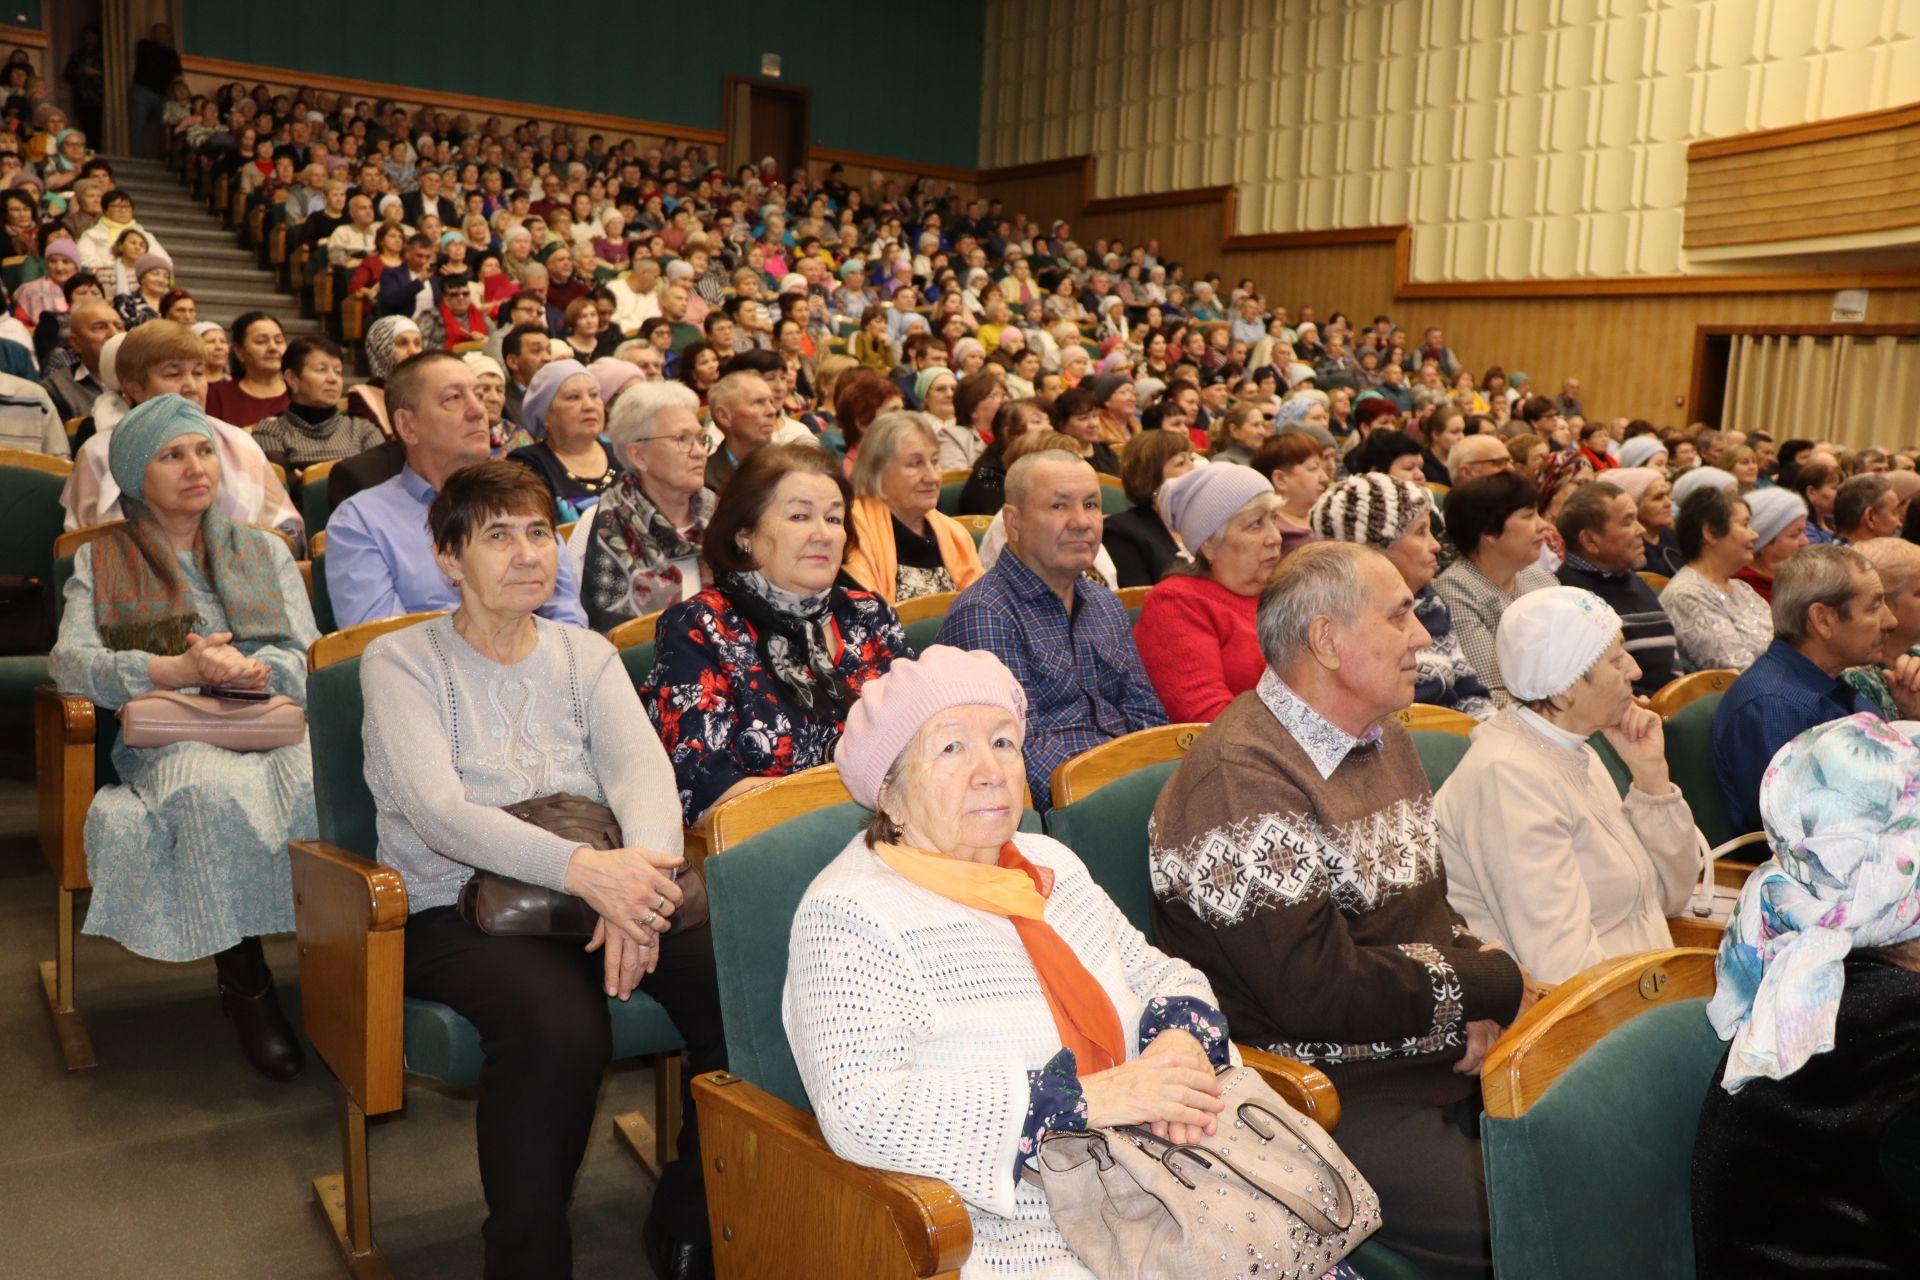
x: 1317, y: 907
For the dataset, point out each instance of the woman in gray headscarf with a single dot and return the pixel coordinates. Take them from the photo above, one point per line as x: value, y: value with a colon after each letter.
x: 389, y: 340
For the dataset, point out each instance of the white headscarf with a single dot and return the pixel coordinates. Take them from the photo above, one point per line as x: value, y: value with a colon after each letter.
x: 1548, y: 639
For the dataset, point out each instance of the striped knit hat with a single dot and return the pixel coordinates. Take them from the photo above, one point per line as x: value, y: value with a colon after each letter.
x: 1374, y: 510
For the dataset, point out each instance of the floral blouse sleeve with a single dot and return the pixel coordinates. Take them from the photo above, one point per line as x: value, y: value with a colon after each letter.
x: 1057, y: 1102
x: 1195, y: 1017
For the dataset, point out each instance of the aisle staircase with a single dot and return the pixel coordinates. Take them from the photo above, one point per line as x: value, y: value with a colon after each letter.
x: 209, y: 260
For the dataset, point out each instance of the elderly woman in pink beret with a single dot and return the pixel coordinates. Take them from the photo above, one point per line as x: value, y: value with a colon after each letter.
x: 956, y: 988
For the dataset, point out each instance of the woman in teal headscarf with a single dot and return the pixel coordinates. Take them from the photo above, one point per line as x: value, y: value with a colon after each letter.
x: 188, y: 852
x: 1807, y: 1156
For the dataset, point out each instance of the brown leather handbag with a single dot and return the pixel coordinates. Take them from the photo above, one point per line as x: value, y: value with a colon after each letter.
x: 162, y: 717
x: 505, y: 907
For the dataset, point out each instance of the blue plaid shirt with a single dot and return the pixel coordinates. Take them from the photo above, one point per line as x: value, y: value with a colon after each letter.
x: 1779, y: 697
x: 1083, y: 677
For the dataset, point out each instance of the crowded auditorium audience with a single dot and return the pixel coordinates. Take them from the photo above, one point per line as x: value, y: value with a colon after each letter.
x: 601, y: 382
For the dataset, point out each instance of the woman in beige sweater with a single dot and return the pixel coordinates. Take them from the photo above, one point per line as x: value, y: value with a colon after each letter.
x: 1542, y: 852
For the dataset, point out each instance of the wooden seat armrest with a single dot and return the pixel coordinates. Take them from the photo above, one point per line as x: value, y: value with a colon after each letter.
x: 63, y: 742
x: 783, y: 1204
x: 1305, y: 1088
x: 349, y: 916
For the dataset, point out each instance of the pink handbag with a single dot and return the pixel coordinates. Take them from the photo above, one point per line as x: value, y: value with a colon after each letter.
x: 163, y: 717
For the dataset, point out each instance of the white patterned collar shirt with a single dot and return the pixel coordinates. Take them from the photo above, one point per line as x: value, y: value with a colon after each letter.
x: 1325, y: 743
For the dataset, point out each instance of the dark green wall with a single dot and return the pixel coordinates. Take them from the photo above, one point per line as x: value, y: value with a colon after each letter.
x: 907, y: 85
x: 26, y: 13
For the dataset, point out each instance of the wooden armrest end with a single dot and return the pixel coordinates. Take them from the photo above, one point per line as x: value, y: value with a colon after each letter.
x: 784, y: 1204
x: 1306, y: 1088
x: 64, y: 729
x: 349, y: 916
x: 339, y: 879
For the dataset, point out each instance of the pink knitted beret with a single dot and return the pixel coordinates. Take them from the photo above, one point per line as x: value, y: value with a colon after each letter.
x: 892, y: 708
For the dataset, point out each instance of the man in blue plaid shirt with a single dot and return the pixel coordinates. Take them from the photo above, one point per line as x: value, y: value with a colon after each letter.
x: 1066, y: 638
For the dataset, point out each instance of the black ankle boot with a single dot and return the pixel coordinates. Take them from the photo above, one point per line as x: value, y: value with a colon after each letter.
x: 246, y: 994
x: 673, y: 1259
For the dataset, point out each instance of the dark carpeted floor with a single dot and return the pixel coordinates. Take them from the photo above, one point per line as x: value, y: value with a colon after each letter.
x: 173, y: 1159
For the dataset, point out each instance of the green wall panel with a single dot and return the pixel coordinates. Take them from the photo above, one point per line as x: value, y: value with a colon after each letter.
x: 906, y: 86
x: 26, y: 13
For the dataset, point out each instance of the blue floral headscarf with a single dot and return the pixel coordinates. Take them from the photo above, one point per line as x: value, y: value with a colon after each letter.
x: 1841, y: 807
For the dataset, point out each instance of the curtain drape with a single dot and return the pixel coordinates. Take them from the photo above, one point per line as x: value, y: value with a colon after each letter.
x: 1854, y: 391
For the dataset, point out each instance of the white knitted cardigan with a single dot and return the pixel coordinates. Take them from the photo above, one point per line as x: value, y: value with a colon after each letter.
x: 914, y: 1021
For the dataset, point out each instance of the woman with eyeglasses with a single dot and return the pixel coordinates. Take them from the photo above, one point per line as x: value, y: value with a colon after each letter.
x: 643, y: 549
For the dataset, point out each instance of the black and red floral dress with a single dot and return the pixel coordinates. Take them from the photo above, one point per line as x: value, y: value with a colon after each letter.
x: 722, y: 711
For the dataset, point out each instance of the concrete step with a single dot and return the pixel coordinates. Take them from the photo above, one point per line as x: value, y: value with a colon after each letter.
x: 262, y: 296
x: 218, y: 272
x: 171, y: 226
x: 182, y: 237
x: 183, y: 208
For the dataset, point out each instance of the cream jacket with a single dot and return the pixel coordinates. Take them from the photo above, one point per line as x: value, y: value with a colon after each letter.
x: 1543, y: 855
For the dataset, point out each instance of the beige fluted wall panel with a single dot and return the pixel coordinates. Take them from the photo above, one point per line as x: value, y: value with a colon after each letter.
x: 1520, y: 139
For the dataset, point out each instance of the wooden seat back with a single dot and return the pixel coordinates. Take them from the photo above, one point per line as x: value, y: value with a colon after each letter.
x: 1543, y: 1042
x: 635, y: 631
x: 746, y: 816
x: 1086, y: 773
x: 36, y: 461
x: 1681, y: 690
x: 351, y: 642
x: 1422, y: 715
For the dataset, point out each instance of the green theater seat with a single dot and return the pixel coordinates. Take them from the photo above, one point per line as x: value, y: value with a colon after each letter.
x: 1440, y: 752
x: 439, y: 1043
x: 1108, y: 829
x: 1690, y: 763
x: 349, y: 978
x: 1593, y: 1179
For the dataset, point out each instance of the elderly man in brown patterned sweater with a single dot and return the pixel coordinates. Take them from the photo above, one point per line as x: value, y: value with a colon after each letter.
x: 1294, y: 863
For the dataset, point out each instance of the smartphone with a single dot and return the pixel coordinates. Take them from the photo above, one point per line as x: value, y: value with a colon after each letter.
x: 238, y: 695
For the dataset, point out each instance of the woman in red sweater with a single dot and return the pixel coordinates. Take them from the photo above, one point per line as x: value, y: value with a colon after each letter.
x: 1196, y: 632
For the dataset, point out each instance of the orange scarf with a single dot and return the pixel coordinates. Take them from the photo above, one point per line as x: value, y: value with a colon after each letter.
x: 1016, y: 889
x: 874, y: 562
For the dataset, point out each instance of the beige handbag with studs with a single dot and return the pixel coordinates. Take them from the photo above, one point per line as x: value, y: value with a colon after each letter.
x: 1270, y: 1194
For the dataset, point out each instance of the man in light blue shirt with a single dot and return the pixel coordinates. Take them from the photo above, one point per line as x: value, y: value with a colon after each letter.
x: 379, y: 556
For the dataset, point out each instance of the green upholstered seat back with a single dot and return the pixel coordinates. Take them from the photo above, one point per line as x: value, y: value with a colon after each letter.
x: 754, y: 890
x: 1439, y: 753
x: 1690, y: 762
x: 1616, y: 767
x: 1108, y: 829
x: 1594, y: 1179
x: 322, y: 598
x: 314, y: 507
x: 922, y: 632
x: 339, y: 759
x: 638, y: 661
x: 1113, y: 499
x: 949, y: 503
x: 31, y: 517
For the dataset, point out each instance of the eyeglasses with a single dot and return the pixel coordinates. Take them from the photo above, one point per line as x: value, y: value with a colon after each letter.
x: 687, y: 440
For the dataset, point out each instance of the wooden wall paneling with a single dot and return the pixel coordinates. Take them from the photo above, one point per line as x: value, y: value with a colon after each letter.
x: 1801, y: 184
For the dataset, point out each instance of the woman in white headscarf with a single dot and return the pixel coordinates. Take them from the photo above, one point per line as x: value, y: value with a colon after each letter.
x: 1542, y: 853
